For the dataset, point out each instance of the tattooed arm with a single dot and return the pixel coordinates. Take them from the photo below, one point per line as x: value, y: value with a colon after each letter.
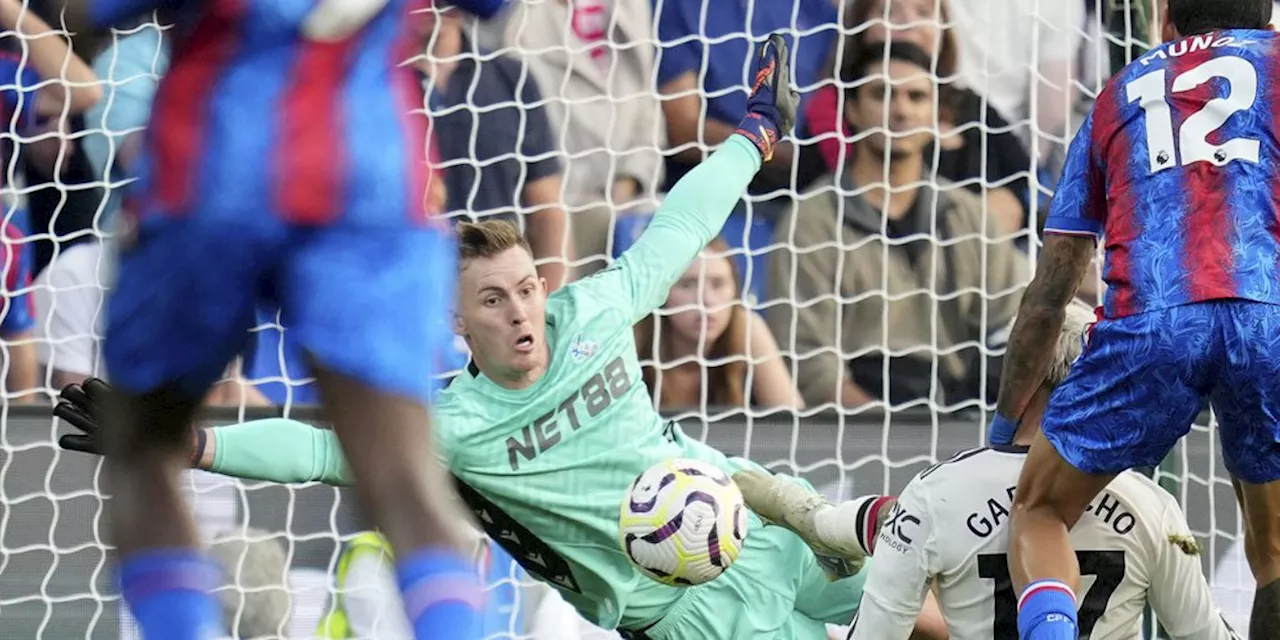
x: 1075, y: 223
x: 1062, y: 266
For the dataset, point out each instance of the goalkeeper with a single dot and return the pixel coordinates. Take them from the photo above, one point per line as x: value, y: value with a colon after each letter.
x: 551, y: 422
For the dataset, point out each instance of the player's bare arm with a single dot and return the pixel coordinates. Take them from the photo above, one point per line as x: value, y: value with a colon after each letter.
x: 1063, y: 262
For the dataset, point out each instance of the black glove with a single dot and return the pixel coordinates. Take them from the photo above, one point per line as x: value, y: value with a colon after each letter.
x: 81, y: 406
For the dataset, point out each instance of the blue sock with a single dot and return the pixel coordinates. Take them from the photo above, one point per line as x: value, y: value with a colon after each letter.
x: 442, y: 594
x: 169, y: 592
x: 1047, y: 611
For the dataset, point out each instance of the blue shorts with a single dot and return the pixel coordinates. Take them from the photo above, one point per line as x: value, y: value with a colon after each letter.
x: 1143, y: 379
x: 369, y: 303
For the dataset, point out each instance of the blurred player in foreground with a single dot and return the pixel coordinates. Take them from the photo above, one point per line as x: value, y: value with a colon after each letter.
x: 281, y: 162
x: 1176, y: 167
x: 949, y: 530
x: 551, y: 422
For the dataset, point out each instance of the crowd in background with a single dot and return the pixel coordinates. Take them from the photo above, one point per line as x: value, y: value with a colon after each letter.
x: 878, y: 258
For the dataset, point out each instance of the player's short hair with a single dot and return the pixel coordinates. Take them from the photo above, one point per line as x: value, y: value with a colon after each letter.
x: 872, y: 59
x: 487, y: 239
x: 1070, y: 341
x: 255, y: 599
x: 1191, y: 17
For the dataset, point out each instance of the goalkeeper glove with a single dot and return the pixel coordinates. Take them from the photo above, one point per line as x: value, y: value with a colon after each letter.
x: 772, y: 105
x: 81, y: 406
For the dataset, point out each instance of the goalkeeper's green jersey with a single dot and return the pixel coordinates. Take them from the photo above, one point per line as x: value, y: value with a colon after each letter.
x: 546, y: 468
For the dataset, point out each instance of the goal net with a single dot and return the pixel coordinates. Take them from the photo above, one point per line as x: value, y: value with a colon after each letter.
x: 605, y: 98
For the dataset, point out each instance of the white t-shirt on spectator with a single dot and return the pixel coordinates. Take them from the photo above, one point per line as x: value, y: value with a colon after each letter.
x: 69, y: 307
x: 1001, y: 40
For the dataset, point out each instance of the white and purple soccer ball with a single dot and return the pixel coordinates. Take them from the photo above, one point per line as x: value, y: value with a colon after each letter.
x: 683, y: 522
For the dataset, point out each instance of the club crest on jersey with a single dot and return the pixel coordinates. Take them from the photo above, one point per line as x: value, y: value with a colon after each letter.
x: 582, y: 349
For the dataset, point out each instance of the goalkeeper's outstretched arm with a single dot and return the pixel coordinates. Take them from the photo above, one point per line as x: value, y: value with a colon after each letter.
x: 274, y: 450
x: 698, y: 205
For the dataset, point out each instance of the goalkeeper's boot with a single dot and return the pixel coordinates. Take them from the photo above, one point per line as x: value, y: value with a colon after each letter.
x: 788, y: 504
x: 772, y: 105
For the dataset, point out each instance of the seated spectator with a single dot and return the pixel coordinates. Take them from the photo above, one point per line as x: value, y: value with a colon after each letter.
x: 703, y: 82
x: 255, y: 600
x: 499, y: 156
x: 705, y: 346
x: 1020, y: 55
x: 131, y: 67
x: 594, y: 61
x: 915, y: 283
x: 977, y: 148
x: 68, y: 298
x: 17, y: 318
x: 28, y: 106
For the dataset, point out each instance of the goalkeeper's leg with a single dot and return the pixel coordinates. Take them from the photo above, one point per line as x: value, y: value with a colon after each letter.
x: 846, y: 530
x: 374, y: 369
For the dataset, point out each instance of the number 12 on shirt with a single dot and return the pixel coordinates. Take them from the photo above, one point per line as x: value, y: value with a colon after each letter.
x: 1192, y: 138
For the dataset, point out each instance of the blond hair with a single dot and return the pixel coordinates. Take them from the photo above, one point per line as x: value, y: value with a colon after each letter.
x: 487, y: 239
x: 1070, y: 341
x: 255, y: 599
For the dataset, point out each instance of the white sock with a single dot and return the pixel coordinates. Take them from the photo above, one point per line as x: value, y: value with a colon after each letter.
x: 851, y: 520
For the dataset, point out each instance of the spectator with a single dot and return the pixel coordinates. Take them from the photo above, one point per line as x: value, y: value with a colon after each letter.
x: 706, y: 348
x: 17, y: 318
x: 68, y: 300
x: 914, y: 286
x: 255, y: 600
x: 594, y: 61
x: 1007, y: 45
x: 978, y: 148
x: 703, y: 44
x: 73, y: 87
x: 27, y: 105
x: 132, y: 66
x: 497, y: 150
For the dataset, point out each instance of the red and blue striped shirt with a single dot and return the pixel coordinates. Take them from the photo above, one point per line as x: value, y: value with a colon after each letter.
x: 1176, y: 169
x: 253, y: 119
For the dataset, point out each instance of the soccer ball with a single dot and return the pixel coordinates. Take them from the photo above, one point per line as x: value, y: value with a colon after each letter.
x: 683, y: 522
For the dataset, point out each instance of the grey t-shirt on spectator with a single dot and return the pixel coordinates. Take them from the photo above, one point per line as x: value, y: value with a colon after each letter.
x: 492, y: 138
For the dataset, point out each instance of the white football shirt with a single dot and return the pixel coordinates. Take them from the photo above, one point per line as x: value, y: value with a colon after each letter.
x: 951, y: 524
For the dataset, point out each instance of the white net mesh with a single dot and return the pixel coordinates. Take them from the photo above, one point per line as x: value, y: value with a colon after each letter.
x: 601, y: 97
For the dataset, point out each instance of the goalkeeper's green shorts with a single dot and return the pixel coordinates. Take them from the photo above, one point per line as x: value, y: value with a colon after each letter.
x: 776, y: 590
